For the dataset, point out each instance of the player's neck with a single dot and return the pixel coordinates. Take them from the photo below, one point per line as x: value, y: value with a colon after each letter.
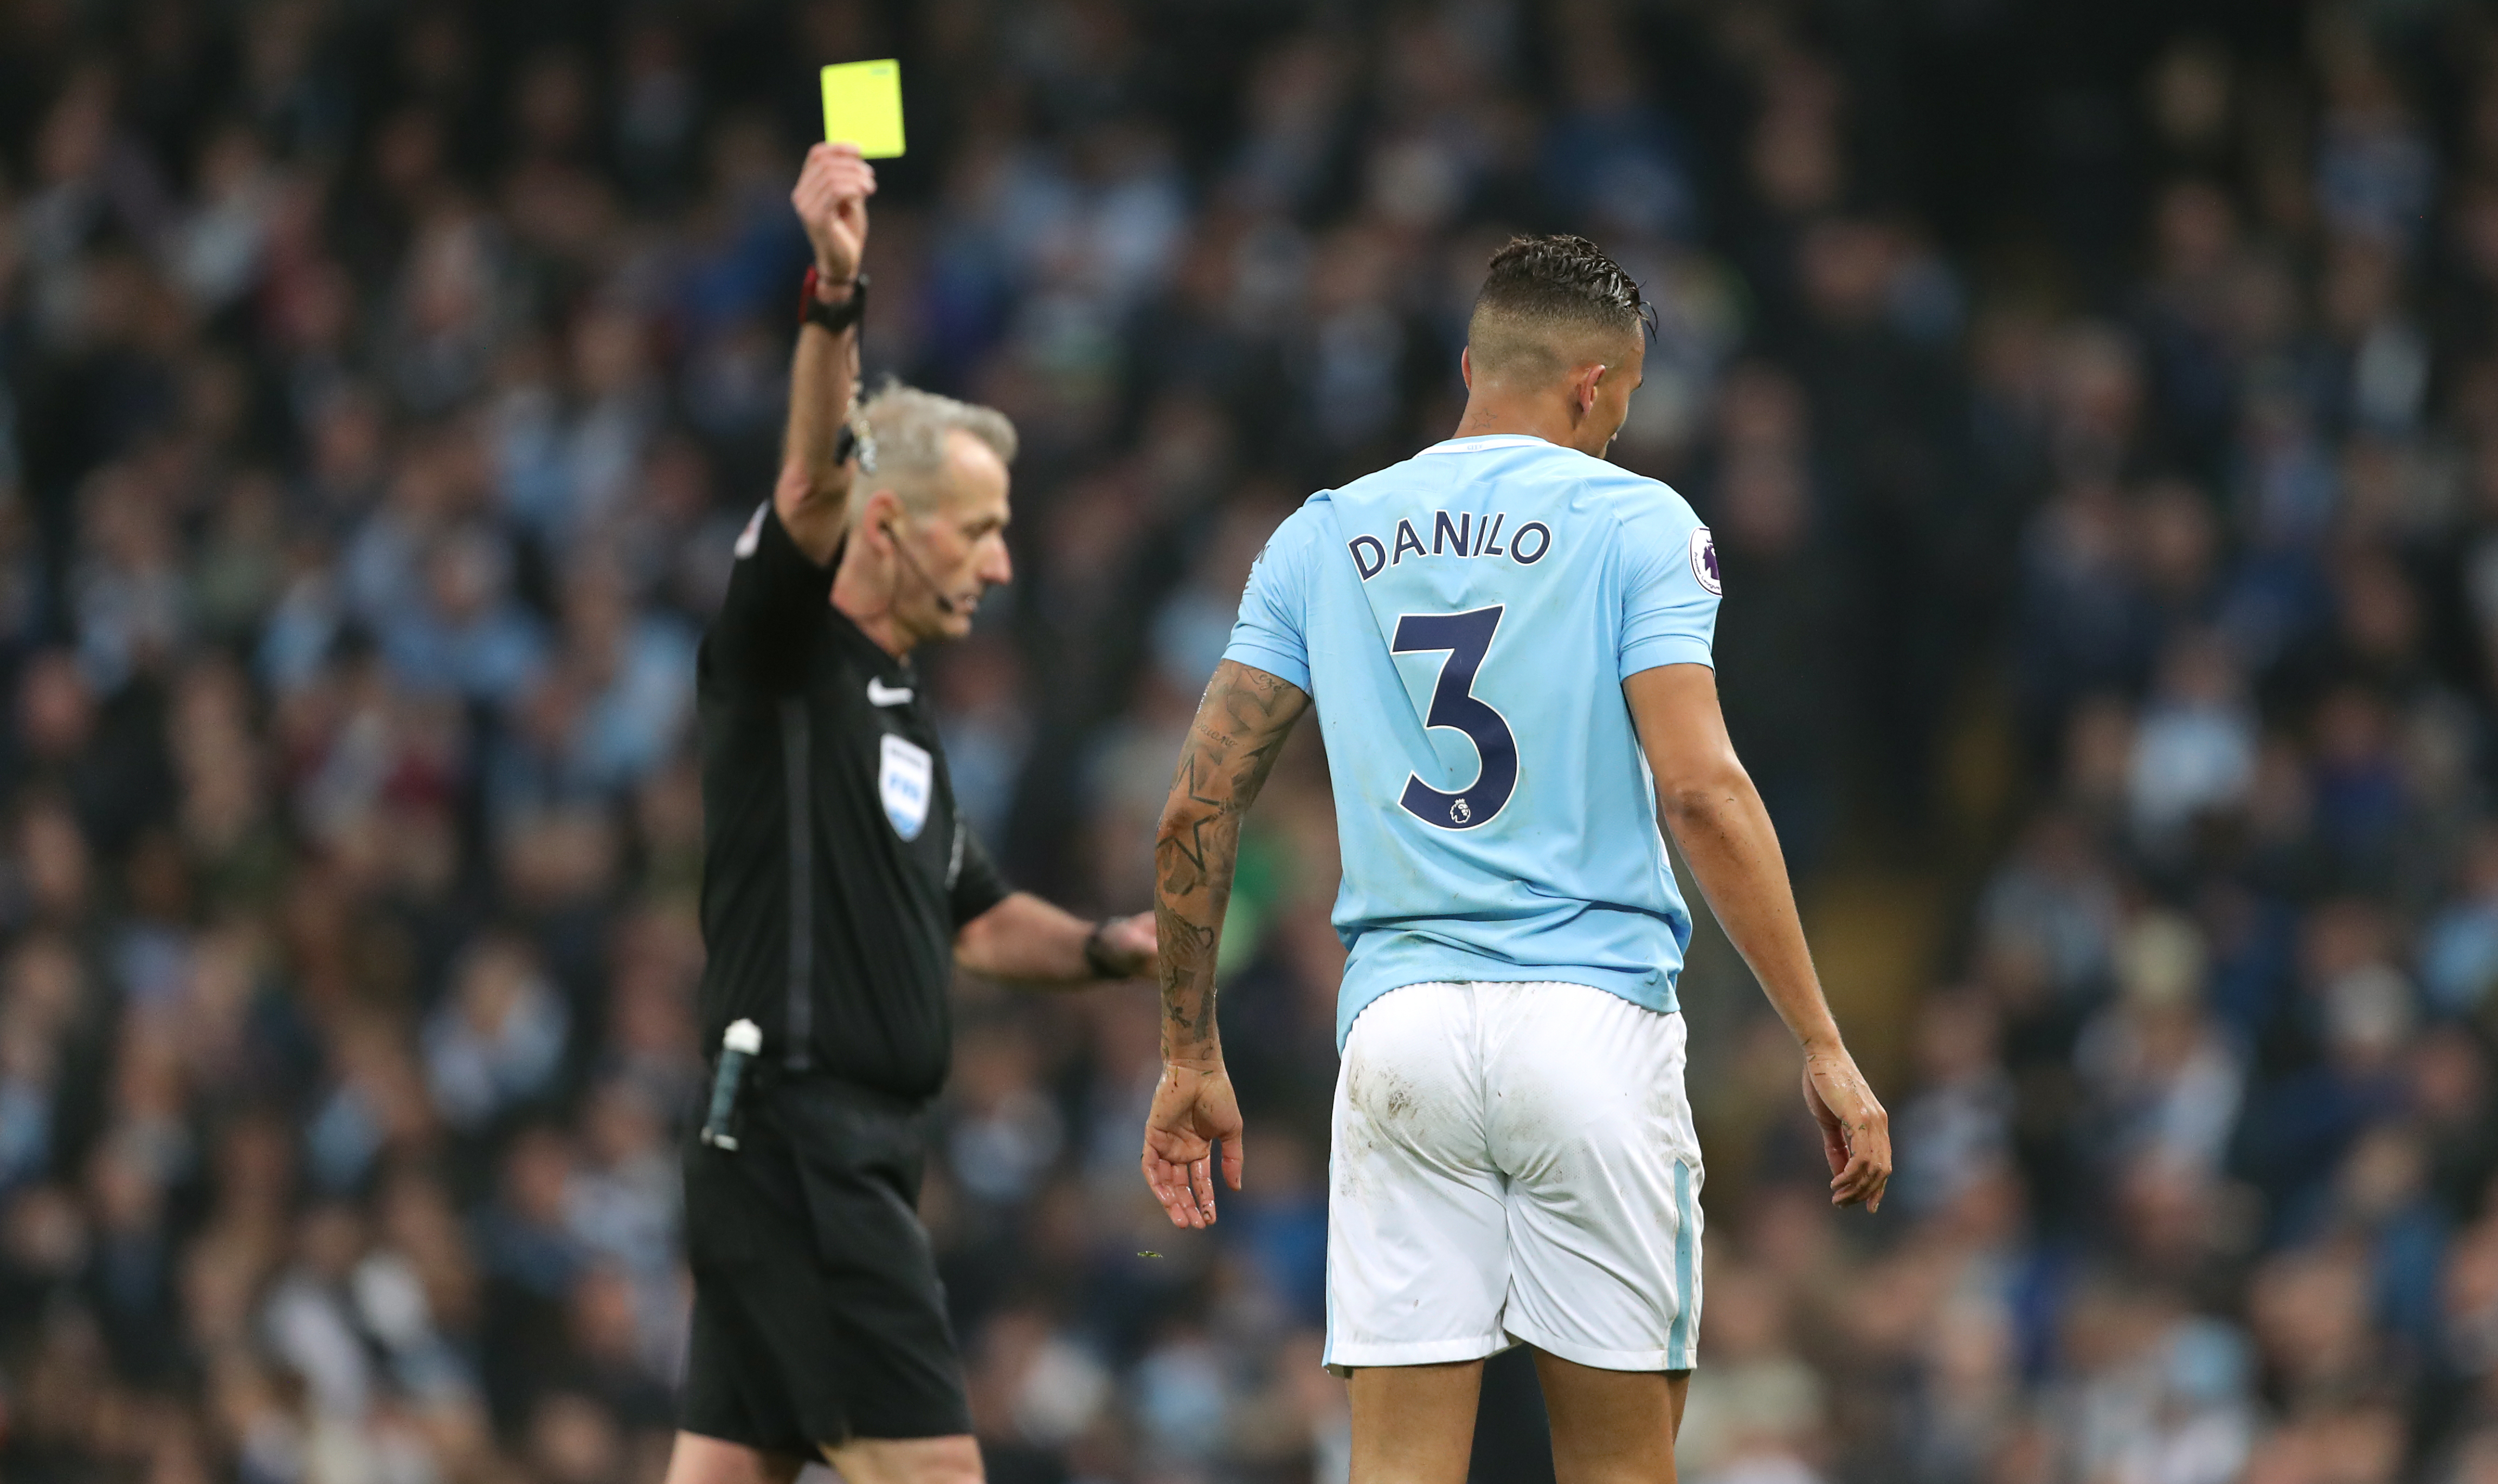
x: 1534, y: 417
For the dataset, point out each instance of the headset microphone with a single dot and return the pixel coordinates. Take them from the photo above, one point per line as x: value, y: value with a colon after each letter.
x: 945, y: 603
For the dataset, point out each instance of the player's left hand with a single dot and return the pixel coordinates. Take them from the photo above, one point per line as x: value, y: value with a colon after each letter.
x: 1128, y: 943
x: 1193, y: 1108
x: 1855, y: 1130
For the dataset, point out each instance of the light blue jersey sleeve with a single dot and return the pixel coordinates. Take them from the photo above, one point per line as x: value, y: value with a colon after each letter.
x: 1274, y: 607
x: 1669, y: 586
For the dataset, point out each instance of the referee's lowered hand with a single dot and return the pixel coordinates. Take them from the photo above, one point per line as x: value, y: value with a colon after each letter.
x: 1128, y: 946
x: 1193, y: 1109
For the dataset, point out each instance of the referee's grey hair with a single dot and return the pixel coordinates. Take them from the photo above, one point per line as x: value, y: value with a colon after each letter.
x: 903, y: 433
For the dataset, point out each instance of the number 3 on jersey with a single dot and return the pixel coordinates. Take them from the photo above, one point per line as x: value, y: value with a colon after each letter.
x: 1466, y: 637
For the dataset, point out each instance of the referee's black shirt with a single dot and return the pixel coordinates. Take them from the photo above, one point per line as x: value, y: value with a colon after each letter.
x: 835, y: 870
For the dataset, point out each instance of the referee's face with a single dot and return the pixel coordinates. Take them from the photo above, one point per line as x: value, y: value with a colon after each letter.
x: 959, y: 543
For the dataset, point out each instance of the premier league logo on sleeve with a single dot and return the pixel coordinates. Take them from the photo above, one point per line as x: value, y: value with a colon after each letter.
x: 1704, y: 562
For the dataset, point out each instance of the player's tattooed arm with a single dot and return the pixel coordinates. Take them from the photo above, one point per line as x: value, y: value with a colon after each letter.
x: 1239, y: 734
x: 1231, y: 747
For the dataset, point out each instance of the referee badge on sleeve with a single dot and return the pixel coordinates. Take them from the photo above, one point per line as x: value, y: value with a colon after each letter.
x: 905, y: 781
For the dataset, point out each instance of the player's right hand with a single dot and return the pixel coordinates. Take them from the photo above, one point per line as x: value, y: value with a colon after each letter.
x: 1194, y: 1107
x: 831, y: 202
x: 1855, y: 1130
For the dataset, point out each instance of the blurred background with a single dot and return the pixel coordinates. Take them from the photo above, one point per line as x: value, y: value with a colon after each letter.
x: 2097, y: 410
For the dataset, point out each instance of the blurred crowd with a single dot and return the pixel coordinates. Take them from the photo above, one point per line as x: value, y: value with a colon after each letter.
x: 382, y: 387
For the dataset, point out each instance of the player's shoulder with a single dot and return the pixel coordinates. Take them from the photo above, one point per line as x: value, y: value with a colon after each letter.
x: 1627, y: 493
x: 1641, y: 509
x: 1285, y: 561
x: 1300, y: 530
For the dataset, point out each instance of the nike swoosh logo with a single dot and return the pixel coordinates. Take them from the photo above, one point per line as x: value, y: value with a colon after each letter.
x: 881, y: 694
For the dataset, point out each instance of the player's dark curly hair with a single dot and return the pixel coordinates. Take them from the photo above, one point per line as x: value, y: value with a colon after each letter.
x: 1541, y: 290
x: 1561, y: 276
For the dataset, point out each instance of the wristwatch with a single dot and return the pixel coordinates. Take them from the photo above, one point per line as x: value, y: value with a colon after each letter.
x: 813, y: 310
x: 1096, y: 955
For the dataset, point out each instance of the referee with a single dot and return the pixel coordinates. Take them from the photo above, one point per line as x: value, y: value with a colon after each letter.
x: 840, y: 889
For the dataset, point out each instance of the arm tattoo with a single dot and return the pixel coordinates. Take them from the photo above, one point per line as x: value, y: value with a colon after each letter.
x: 1233, y: 746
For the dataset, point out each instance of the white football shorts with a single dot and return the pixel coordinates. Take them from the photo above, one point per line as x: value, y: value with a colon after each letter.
x: 1513, y: 1162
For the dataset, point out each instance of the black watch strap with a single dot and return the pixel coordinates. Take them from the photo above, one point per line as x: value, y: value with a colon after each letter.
x: 1096, y: 954
x: 813, y: 310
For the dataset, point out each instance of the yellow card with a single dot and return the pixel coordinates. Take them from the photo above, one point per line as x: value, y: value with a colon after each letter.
x: 863, y: 106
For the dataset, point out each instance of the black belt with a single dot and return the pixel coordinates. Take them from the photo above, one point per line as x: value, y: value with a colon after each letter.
x: 771, y: 1073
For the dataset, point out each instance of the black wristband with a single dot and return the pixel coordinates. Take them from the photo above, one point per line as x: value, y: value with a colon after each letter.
x: 813, y: 310
x: 1102, y: 967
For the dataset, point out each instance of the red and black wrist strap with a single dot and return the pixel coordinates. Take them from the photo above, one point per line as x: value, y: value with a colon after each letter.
x: 836, y: 318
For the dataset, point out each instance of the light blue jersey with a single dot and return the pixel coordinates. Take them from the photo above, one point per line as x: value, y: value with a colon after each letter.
x: 1464, y: 621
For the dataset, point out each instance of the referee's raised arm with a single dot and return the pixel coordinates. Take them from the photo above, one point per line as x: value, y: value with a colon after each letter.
x: 812, y: 493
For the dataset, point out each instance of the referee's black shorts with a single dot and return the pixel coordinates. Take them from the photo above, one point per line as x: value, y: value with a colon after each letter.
x: 818, y: 1317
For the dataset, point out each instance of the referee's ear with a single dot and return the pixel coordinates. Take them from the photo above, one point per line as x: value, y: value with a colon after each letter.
x: 876, y: 513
